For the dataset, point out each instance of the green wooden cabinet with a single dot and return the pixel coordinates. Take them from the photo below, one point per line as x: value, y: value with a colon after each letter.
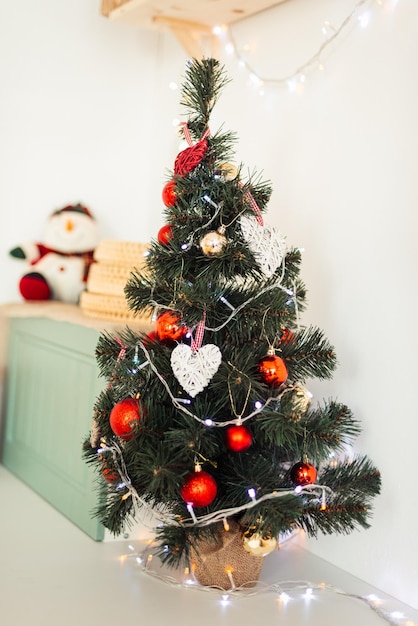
x: 52, y: 384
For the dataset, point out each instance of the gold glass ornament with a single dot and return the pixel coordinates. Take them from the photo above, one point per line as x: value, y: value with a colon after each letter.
x: 214, y: 242
x: 295, y: 402
x: 228, y: 171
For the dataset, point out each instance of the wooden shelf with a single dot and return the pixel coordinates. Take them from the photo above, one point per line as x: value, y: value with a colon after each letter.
x: 191, y: 21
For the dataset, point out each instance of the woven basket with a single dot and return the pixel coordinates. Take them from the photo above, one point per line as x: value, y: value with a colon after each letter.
x: 107, y: 307
x: 108, y: 279
x: 115, y: 252
x: 114, y: 263
x: 212, y: 561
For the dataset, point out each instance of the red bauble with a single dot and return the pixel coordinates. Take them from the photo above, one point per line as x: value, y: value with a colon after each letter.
x: 287, y: 336
x: 199, y: 489
x: 303, y: 474
x: 169, y: 327
x: 124, y: 416
x: 187, y: 160
x: 272, y: 370
x: 165, y: 235
x: 169, y: 193
x: 110, y: 475
x: 238, y: 438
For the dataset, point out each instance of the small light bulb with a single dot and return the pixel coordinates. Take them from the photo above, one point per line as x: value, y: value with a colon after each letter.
x: 291, y: 85
x: 374, y: 599
x: 328, y: 29
x: 230, y: 48
x: 189, y: 507
x: 251, y: 493
x: 258, y: 404
x: 208, y: 422
x: 298, y: 489
x: 364, y: 19
x: 284, y: 597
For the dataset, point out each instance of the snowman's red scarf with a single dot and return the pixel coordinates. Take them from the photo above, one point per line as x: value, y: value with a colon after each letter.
x: 87, y: 256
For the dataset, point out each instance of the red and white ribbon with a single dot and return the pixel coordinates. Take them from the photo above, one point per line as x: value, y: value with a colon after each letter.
x: 188, y: 136
x: 198, y: 337
x: 122, y: 352
x: 254, y: 206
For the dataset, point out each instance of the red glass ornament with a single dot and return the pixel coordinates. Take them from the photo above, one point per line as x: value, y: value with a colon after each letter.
x: 169, y: 193
x: 110, y: 475
x: 187, y: 160
x: 124, y: 416
x: 199, y: 489
x: 272, y: 370
x: 303, y: 473
x: 169, y: 327
x: 287, y: 336
x: 165, y: 235
x: 238, y: 438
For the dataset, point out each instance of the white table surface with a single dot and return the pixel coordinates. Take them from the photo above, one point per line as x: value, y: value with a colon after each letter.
x: 52, y: 574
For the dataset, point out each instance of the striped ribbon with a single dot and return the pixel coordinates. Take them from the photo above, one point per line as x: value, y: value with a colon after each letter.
x: 122, y: 352
x: 198, y: 337
x: 188, y: 136
x: 254, y: 205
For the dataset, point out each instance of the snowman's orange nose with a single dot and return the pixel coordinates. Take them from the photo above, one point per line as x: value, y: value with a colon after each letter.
x: 69, y: 226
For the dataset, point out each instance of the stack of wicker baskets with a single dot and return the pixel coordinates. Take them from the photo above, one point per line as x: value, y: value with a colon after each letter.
x: 113, y: 263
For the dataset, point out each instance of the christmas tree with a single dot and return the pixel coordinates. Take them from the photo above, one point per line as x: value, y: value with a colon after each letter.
x: 207, y: 421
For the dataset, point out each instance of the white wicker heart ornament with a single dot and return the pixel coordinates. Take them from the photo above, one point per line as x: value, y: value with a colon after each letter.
x: 265, y: 242
x: 194, y: 369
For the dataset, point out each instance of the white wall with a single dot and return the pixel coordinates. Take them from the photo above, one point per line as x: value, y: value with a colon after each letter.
x: 342, y: 156
x: 77, y: 118
x: 85, y: 114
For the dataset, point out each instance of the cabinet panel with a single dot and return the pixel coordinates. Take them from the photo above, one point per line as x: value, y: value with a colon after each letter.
x: 51, y: 389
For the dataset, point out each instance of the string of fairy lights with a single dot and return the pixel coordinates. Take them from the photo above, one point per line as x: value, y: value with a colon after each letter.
x: 283, y: 592
x: 294, y: 81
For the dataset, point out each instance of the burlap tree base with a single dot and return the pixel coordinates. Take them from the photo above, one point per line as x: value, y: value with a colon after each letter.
x: 212, y: 561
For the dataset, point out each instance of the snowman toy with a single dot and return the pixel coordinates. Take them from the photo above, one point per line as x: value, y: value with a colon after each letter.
x: 58, y: 267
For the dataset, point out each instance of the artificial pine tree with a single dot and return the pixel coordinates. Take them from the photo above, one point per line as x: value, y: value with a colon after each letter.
x: 206, y: 421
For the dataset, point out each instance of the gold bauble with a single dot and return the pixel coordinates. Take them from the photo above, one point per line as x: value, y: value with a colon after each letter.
x: 228, y: 171
x: 295, y: 402
x: 213, y: 243
x: 256, y: 545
